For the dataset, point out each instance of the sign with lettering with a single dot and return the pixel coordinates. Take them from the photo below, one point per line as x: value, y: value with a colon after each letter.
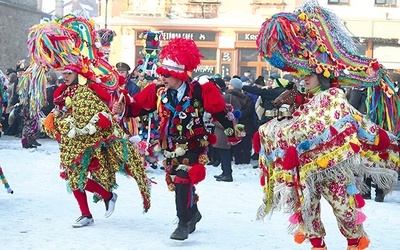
x: 205, y: 69
x: 196, y: 36
x: 247, y: 36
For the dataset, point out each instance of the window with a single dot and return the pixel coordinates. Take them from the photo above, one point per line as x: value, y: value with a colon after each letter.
x: 248, y: 55
x: 347, y: 2
x: 385, y: 2
x: 209, y: 54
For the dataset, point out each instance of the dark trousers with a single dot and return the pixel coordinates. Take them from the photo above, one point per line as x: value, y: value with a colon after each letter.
x: 242, y: 151
x: 378, y: 191
x: 184, y: 199
x: 226, y: 161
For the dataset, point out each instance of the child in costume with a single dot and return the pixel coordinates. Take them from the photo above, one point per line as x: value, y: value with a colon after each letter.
x: 183, y: 135
x: 327, y: 144
x: 92, y: 145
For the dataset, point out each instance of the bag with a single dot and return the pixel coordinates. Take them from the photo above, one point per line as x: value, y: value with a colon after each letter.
x: 260, y: 110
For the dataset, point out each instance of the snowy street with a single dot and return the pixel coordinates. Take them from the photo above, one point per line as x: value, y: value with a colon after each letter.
x: 40, y: 212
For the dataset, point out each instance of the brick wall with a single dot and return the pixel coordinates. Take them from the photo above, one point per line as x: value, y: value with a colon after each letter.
x: 16, y: 17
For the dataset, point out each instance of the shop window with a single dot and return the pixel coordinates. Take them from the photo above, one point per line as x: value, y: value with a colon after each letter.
x: 385, y: 2
x: 209, y: 54
x: 342, y: 2
x: 248, y: 55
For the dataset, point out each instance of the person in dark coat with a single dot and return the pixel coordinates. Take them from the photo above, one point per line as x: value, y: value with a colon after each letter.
x: 267, y: 95
x: 243, y: 102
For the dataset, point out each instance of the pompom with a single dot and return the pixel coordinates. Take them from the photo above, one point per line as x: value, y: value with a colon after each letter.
x: 291, y: 159
x: 295, y: 218
x: 305, y: 145
x: 363, y: 243
x: 351, y: 189
x: 104, y: 122
x: 237, y: 113
x: 197, y: 173
x: 360, y: 217
x: 360, y: 202
x: 299, y: 237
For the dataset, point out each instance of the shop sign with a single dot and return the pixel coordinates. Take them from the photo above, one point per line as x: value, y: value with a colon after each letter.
x: 196, y: 36
x: 247, y: 36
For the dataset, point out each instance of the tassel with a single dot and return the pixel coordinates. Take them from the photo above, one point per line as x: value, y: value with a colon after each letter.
x: 352, y: 202
x: 291, y: 159
x: 305, y: 145
x: 355, y: 147
x: 351, y: 189
x: 382, y: 140
x: 360, y: 202
x: 384, y: 156
x: 262, y: 181
x: 334, y: 132
x: 295, y: 218
x: 299, y: 237
x: 257, y: 142
x: 360, y: 217
x: 363, y: 243
x: 322, y: 162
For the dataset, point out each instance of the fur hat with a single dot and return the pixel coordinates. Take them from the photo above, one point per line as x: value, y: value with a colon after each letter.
x: 179, y: 56
x: 236, y: 83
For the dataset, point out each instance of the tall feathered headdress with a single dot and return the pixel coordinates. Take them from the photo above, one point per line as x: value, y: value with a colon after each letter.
x: 312, y: 39
x: 179, y: 56
x: 69, y: 41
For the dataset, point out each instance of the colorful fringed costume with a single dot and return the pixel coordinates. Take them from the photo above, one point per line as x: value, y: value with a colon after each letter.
x: 93, y: 147
x: 183, y: 135
x: 328, y: 146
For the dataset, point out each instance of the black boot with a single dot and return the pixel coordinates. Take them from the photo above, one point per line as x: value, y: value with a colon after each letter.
x: 34, y: 142
x: 225, y: 178
x: 192, y: 223
x: 216, y: 163
x: 181, y: 232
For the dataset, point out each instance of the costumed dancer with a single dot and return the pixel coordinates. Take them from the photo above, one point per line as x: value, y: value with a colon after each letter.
x: 327, y: 146
x: 92, y: 145
x: 183, y: 136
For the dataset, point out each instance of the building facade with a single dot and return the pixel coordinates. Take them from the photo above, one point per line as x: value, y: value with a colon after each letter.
x: 226, y: 30
x: 16, y: 17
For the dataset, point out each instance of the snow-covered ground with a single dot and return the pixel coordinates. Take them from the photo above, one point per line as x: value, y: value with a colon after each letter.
x: 40, y: 212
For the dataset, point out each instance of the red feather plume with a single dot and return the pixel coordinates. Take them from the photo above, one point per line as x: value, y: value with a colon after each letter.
x: 182, y: 51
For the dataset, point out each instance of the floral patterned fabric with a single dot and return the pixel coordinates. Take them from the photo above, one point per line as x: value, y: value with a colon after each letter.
x: 88, y: 149
x: 320, y: 151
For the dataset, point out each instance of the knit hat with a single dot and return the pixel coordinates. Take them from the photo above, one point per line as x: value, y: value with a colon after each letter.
x: 236, y: 83
x: 179, y: 56
x: 244, y: 79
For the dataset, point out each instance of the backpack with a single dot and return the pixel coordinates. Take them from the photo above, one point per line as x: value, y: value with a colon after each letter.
x: 260, y: 110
